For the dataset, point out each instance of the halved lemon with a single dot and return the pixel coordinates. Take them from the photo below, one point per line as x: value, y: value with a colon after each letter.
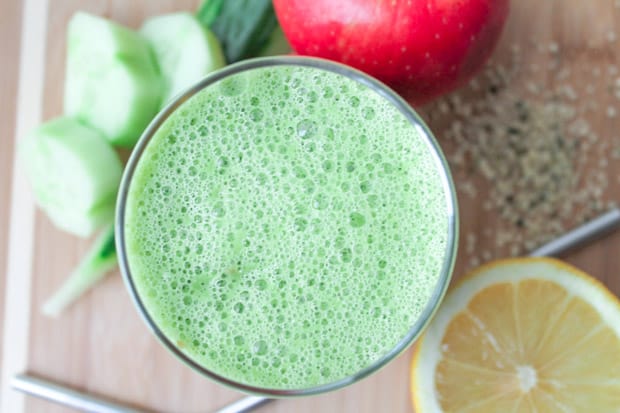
x: 521, y: 335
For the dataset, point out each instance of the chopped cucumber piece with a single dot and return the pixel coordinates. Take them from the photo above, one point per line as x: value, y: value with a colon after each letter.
x: 277, y: 44
x: 243, y: 27
x: 74, y: 173
x: 100, y: 259
x: 112, y: 81
x: 209, y: 10
x: 185, y: 50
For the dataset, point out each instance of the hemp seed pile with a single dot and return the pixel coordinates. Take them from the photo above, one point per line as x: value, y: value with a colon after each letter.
x: 529, y: 151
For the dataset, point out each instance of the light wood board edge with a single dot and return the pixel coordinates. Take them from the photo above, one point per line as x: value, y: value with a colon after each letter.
x: 21, y: 225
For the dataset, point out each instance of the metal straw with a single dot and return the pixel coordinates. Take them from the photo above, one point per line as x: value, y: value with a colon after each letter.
x: 51, y: 391
x: 244, y: 405
x: 580, y: 236
x: 46, y: 389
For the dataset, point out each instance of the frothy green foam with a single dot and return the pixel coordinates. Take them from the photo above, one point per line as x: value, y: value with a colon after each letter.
x: 286, y: 227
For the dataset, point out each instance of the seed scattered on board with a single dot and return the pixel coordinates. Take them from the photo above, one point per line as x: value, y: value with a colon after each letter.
x: 523, y: 139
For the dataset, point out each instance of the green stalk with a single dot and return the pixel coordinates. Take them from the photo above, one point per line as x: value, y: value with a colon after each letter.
x: 99, y: 260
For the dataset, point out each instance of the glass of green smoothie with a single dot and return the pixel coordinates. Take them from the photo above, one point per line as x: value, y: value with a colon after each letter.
x: 287, y: 226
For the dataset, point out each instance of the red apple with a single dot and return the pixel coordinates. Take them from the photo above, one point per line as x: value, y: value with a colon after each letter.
x: 422, y: 48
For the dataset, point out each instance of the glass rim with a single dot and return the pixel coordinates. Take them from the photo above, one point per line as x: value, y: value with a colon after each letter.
x: 442, y: 168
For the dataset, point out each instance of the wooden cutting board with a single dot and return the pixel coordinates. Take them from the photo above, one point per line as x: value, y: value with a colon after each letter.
x: 100, y: 345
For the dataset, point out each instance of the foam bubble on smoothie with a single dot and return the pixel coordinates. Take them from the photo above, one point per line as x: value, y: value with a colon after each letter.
x: 286, y: 227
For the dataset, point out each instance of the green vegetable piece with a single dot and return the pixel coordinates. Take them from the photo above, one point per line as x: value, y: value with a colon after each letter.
x: 209, y: 11
x: 74, y: 173
x: 244, y: 27
x: 112, y: 80
x: 276, y: 45
x: 185, y: 50
x: 99, y: 260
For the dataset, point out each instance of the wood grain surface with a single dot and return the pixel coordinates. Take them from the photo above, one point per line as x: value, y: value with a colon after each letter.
x: 10, y: 16
x: 100, y: 344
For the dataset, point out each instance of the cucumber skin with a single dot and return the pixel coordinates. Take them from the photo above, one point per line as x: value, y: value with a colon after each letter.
x: 208, y: 11
x: 98, y: 48
x: 276, y: 45
x: 185, y: 50
x: 83, y: 210
x: 244, y: 27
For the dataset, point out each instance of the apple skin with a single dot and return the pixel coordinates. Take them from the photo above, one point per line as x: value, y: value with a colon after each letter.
x: 421, y: 48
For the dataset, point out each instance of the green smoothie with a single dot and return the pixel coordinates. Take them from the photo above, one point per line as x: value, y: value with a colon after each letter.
x: 286, y: 227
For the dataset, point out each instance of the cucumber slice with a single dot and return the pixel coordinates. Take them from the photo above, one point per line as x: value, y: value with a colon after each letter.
x: 242, y: 26
x: 74, y: 173
x: 185, y: 50
x: 277, y: 44
x: 100, y: 259
x: 112, y: 80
